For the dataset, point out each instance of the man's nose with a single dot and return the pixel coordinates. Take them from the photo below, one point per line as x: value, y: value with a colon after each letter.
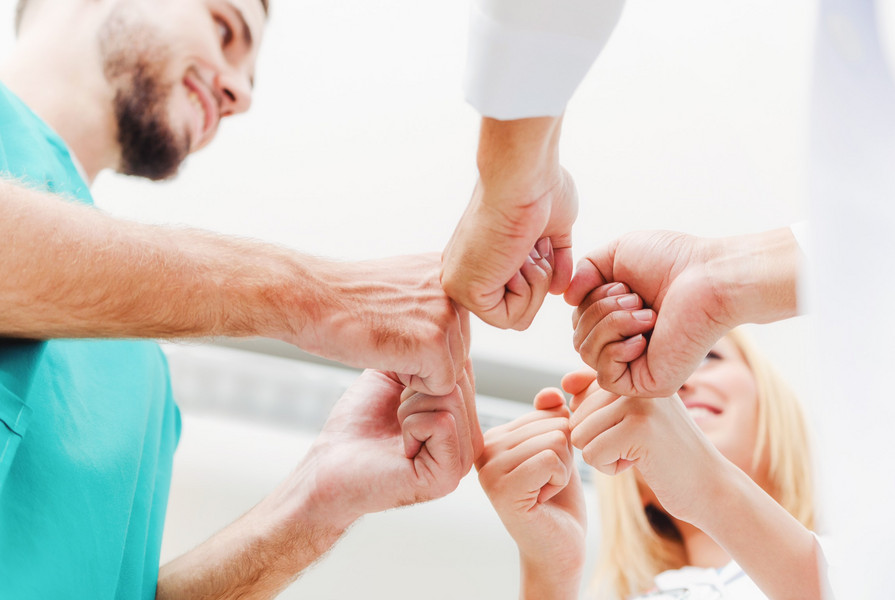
x: 235, y: 87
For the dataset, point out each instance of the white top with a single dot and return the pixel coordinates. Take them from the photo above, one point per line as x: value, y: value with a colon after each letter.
x: 527, y: 57
x: 729, y: 582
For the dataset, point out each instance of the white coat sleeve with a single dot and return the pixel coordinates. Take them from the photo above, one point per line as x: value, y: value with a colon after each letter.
x: 527, y: 57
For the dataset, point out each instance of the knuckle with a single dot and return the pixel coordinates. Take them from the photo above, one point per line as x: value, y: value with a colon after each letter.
x: 557, y: 439
x: 443, y: 420
x: 553, y: 461
x: 580, y: 440
x: 450, y: 284
x: 590, y: 456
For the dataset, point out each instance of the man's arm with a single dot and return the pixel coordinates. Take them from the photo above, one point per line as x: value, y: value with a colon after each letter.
x: 525, y: 62
x: 358, y: 465
x: 72, y: 271
x: 523, y: 195
x: 257, y: 556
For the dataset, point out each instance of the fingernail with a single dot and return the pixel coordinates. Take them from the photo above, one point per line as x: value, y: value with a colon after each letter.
x: 643, y: 315
x: 534, y: 254
x: 618, y: 288
x: 543, y: 246
x: 629, y: 301
x: 634, y: 340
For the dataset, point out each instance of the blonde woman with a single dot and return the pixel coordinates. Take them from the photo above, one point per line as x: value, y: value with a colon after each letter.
x: 718, y: 504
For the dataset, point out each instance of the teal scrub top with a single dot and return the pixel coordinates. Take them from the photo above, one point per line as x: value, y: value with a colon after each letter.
x: 88, y: 430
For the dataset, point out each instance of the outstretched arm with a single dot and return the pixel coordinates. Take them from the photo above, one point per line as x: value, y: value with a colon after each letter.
x: 694, y: 289
x: 73, y: 271
x: 358, y: 465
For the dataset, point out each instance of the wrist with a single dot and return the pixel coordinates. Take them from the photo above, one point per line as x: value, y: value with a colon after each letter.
x: 725, y: 485
x: 550, y: 579
x: 257, y: 555
x: 756, y: 275
x: 304, y: 304
x: 304, y: 507
x: 519, y: 159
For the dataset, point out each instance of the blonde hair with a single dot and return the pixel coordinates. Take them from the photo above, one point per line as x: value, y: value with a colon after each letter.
x: 635, y: 548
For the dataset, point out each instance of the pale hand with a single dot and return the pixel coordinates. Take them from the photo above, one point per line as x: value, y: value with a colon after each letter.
x: 670, y: 273
x: 528, y: 472
x: 655, y: 435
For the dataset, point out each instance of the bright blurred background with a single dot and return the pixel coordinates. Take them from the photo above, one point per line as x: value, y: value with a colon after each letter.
x: 360, y: 145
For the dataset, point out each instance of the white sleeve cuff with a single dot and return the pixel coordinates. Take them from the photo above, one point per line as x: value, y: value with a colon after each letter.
x: 516, y: 72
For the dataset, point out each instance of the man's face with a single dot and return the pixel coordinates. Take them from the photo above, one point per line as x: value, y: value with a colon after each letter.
x: 177, y: 68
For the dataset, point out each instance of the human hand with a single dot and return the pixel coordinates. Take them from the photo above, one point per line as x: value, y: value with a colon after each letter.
x: 359, y: 463
x: 523, y: 196
x: 392, y: 314
x: 528, y: 472
x: 699, y: 289
x: 655, y: 435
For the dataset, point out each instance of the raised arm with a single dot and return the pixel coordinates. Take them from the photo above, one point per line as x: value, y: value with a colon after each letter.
x: 357, y: 466
x: 528, y: 472
x: 525, y: 62
x: 73, y: 271
x: 523, y: 195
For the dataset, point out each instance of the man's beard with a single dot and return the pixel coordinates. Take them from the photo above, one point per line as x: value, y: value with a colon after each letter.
x: 133, y: 64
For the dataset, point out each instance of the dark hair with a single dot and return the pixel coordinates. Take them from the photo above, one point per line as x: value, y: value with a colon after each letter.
x: 20, y: 10
x: 662, y: 523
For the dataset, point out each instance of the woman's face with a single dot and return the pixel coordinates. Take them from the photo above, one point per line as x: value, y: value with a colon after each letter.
x: 721, y: 397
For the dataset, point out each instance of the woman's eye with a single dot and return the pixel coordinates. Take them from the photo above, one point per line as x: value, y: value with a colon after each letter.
x: 224, y: 31
x: 712, y: 355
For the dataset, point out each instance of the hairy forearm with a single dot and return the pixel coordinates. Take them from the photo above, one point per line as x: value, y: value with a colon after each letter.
x: 257, y: 556
x: 72, y: 271
x: 777, y: 552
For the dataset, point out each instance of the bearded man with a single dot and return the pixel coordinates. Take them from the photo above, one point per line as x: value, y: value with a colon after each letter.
x: 88, y: 425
